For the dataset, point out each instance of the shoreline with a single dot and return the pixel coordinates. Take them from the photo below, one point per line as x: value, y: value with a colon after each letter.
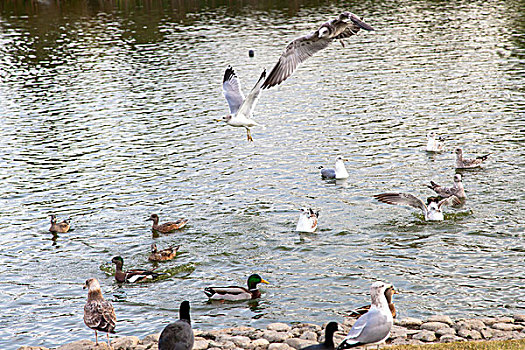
x: 282, y: 336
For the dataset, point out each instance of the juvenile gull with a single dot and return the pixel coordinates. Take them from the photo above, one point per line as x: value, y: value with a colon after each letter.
x: 374, y: 326
x: 445, y: 192
x: 468, y: 163
x: 338, y: 173
x: 241, y: 108
x: 434, y: 144
x: 296, y: 52
x: 307, y: 220
x: 328, y: 343
x: 234, y: 293
x: 99, y: 314
x: 432, y: 210
x: 58, y: 227
x: 178, y: 335
x: 389, y: 293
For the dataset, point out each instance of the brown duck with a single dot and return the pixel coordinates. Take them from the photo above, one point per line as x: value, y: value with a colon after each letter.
x: 131, y: 276
x: 389, y: 292
x: 59, y: 227
x: 167, y: 226
x: 164, y: 254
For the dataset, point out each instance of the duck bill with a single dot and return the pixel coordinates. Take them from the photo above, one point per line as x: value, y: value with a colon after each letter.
x: 264, y: 281
x: 361, y: 23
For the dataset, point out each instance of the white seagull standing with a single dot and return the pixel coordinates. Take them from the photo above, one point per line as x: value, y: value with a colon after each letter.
x: 296, y: 52
x: 307, y: 220
x: 432, y: 210
x: 374, y: 326
x: 241, y: 108
x: 434, y: 144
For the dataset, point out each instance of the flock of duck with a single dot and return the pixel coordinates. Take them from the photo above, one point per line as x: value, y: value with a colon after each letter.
x: 374, y: 321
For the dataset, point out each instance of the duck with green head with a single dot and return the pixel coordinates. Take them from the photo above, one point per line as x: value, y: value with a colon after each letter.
x: 134, y: 275
x: 234, y: 293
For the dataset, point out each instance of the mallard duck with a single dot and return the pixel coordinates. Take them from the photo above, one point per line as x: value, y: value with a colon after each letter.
x: 58, y: 227
x: 389, y: 293
x: 99, y: 314
x: 339, y: 173
x: 164, y: 254
x: 296, y: 52
x: 167, y: 226
x: 178, y: 335
x: 307, y: 220
x: 241, y: 108
x: 236, y: 293
x: 131, y: 276
x: 432, y: 210
x: 328, y: 343
x: 434, y: 144
x: 468, y: 163
x: 374, y: 326
x: 445, y: 192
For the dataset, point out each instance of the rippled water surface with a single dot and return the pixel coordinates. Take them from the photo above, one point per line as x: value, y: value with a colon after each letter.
x: 108, y: 115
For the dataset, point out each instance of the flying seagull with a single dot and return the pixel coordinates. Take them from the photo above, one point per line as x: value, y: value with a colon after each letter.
x: 468, y: 163
x: 374, y: 326
x: 99, y: 314
x: 344, y: 26
x: 432, y: 210
x: 241, y: 108
x: 445, y: 192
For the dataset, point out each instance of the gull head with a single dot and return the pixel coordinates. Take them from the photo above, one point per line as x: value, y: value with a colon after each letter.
x: 345, y: 16
x: 324, y: 32
x: 459, y: 151
x: 92, y: 285
x: 226, y: 118
x: 457, y: 178
x: 377, y: 292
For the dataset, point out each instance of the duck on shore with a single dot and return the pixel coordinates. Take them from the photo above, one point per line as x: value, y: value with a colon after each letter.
x: 178, y: 335
x: 328, y: 343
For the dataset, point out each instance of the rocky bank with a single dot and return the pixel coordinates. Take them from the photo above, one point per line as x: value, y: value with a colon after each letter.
x: 281, y: 336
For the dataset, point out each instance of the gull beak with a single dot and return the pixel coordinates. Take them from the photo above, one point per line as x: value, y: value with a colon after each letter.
x: 218, y: 120
x: 264, y: 281
x: 361, y: 23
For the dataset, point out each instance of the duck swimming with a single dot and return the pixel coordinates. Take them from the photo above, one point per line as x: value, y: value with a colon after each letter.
x: 166, y: 227
x: 234, y: 293
x: 59, y: 227
x: 134, y: 275
x: 164, y: 254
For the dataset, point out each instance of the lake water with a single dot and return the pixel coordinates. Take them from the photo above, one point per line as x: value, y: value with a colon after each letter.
x: 108, y: 115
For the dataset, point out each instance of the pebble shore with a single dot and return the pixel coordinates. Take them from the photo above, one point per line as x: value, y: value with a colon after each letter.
x: 281, y: 336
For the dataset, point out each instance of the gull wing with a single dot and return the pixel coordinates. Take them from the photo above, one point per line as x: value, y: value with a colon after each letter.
x: 231, y: 88
x: 452, y: 200
x: 295, y: 53
x: 249, y: 103
x: 402, y: 199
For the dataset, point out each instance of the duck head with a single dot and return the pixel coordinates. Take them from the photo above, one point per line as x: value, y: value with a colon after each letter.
x: 254, y: 280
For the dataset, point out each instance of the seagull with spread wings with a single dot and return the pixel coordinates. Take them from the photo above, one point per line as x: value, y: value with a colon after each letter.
x: 432, y: 210
x: 342, y: 27
x: 241, y: 108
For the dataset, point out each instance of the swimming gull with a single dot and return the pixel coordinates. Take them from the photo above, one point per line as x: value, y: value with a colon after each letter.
x: 468, y: 163
x: 307, y: 220
x: 99, y: 314
x: 434, y: 144
x: 178, y: 335
x: 374, y: 326
x: 339, y: 173
x: 328, y: 343
x: 389, y: 294
x: 432, y: 210
x: 445, y: 192
x: 296, y: 52
x: 241, y: 108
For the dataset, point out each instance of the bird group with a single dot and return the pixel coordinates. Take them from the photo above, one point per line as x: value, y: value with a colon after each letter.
x: 375, y: 321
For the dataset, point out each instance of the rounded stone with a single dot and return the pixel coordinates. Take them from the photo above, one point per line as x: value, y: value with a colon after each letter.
x: 279, y: 327
x: 152, y: 338
x: 297, y: 343
x: 275, y: 337
x: 469, y: 334
x: 519, y: 318
x: 434, y: 326
x: 398, y: 332
x: 200, y: 344
x: 84, y: 345
x: 309, y: 335
x: 443, y: 331
x: 442, y: 319
x: 125, y: 343
x: 242, y: 341
x: 470, y: 324
x: 507, y: 326
x: 260, y: 344
x: 280, y: 346
x: 450, y: 338
x: 408, y: 322
x: 425, y: 335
